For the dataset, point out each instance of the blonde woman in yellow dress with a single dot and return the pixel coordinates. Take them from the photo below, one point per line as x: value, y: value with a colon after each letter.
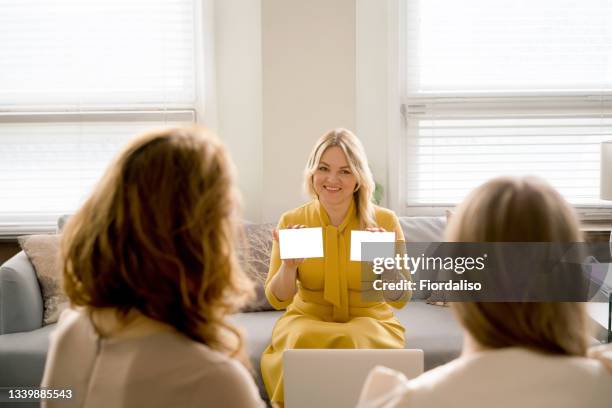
x: 323, y: 297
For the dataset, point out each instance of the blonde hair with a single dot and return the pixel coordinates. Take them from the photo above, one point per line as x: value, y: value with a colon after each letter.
x: 158, y: 236
x: 358, y: 163
x: 520, y: 210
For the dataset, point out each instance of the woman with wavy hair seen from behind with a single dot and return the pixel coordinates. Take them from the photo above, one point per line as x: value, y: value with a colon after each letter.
x: 515, y: 354
x: 150, y: 269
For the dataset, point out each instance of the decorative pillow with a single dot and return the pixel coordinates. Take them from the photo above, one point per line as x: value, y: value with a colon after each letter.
x: 43, y: 252
x: 255, y: 258
x: 438, y: 297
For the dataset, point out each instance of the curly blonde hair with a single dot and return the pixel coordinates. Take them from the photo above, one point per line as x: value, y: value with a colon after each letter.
x: 158, y: 236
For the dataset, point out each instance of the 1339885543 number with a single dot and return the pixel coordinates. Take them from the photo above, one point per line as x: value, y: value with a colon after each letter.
x: 33, y: 394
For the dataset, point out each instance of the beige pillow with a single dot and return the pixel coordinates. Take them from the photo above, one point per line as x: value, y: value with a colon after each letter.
x: 43, y: 252
x: 254, y: 255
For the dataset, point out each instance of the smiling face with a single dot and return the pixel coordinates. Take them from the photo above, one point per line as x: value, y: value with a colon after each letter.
x: 333, y: 180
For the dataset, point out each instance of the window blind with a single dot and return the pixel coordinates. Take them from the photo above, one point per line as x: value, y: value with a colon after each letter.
x: 48, y: 168
x: 74, y: 54
x: 456, y: 145
x: 499, y: 87
x: 77, y: 81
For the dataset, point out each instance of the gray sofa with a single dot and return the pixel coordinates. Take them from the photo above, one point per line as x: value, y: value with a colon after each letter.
x: 24, y: 341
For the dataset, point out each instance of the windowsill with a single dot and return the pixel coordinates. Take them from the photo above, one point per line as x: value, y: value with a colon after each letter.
x: 588, y: 214
x: 10, y: 232
x: 596, y: 226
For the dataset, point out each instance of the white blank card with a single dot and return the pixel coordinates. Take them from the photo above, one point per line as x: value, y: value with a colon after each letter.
x: 359, y: 237
x: 301, y: 243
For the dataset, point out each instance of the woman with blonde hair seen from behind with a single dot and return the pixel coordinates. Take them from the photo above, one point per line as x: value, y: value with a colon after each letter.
x: 325, y: 305
x: 514, y: 354
x: 149, y: 266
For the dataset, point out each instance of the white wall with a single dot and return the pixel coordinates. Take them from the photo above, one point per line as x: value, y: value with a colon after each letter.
x: 238, y: 84
x: 374, y: 71
x: 308, y: 87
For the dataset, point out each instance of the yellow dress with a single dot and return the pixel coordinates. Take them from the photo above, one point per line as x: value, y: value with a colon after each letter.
x: 328, y: 310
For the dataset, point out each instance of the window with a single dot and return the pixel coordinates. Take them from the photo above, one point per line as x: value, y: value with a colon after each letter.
x: 504, y: 87
x: 77, y: 80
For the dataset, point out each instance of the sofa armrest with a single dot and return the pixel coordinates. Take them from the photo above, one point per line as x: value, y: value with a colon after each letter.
x: 21, y: 303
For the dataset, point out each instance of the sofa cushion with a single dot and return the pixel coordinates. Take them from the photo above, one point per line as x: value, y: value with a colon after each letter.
x: 423, y: 229
x: 257, y: 329
x: 254, y: 255
x: 43, y: 252
x: 432, y: 329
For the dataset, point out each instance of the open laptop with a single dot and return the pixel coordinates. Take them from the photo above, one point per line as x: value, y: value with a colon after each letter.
x: 334, y: 377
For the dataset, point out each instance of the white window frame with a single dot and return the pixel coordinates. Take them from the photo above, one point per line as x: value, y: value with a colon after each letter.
x: 402, y: 105
x: 202, y: 112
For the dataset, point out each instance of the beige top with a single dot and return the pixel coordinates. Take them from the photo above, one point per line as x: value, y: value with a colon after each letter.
x: 152, y: 366
x: 503, y: 378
